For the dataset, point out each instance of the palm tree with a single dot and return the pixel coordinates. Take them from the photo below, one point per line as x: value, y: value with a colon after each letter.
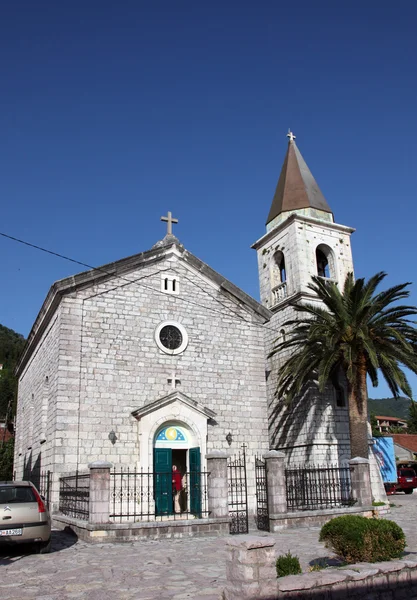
x: 354, y: 333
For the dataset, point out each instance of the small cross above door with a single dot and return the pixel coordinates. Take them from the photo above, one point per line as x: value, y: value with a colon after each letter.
x: 173, y: 380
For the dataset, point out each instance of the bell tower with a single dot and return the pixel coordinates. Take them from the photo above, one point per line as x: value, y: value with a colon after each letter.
x: 301, y: 240
x: 301, y: 237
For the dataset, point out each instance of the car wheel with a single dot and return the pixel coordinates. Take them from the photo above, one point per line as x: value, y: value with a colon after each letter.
x: 408, y: 491
x: 44, y: 547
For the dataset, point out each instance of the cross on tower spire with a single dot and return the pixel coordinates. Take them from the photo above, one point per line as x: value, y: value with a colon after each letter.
x: 169, y: 220
x: 290, y: 135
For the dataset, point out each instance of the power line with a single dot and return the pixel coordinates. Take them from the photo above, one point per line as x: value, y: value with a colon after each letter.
x: 100, y: 269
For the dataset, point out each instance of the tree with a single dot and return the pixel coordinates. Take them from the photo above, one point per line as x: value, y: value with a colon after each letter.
x: 354, y: 333
x: 412, y: 418
x: 6, y: 460
x: 11, y: 346
x: 374, y: 426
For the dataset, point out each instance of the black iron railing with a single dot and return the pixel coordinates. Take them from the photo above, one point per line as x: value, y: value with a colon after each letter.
x: 262, y: 512
x: 142, y: 495
x: 42, y: 480
x: 45, y: 481
x: 237, y: 494
x: 74, y: 495
x: 314, y: 487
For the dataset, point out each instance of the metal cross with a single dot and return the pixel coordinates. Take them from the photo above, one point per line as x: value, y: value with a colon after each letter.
x: 290, y: 135
x: 170, y: 220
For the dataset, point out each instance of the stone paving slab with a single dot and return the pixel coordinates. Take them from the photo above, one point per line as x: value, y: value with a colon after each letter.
x: 162, y: 569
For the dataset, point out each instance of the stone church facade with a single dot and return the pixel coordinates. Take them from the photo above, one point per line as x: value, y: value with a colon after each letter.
x: 159, y: 351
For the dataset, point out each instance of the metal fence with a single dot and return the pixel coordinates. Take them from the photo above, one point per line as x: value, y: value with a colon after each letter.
x: 139, y: 495
x: 45, y: 481
x: 238, y: 494
x: 74, y: 496
x: 314, y: 487
x: 262, y: 509
x: 42, y: 480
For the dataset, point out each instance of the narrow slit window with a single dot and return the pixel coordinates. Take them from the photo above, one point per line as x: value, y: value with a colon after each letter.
x: 170, y: 284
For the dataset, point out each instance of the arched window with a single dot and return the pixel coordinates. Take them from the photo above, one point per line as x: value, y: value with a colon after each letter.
x: 278, y: 271
x: 282, y: 273
x: 325, y: 262
x: 322, y: 264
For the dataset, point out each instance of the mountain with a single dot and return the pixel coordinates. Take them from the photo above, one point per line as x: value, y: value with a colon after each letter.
x: 11, y: 346
x: 389, y: 407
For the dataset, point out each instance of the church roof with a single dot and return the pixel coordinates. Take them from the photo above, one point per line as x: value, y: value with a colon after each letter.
x: 296, y: 186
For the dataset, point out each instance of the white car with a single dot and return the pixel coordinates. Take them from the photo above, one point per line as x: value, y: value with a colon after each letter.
x: 24, y: 517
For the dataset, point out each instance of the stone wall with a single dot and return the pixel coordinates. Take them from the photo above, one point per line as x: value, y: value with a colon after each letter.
x: 251, y: 574
x: 37, y: 413
x: 137, y: 532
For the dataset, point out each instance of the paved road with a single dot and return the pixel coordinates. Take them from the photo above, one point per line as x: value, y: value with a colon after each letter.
x: 163, y: 570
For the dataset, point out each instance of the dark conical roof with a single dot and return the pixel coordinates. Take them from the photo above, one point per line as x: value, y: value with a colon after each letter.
x: 296, y: 187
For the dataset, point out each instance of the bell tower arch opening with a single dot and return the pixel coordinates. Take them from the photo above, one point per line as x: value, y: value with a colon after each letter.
x: 325, y: 262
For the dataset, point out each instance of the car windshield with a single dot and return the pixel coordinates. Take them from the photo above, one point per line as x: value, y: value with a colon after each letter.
x: 407, y: 473
x: 15, y: 494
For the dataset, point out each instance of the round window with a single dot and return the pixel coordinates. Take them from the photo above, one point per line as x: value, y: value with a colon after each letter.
x: 171, y: 337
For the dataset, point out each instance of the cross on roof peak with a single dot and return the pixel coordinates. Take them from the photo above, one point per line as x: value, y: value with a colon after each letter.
x: 290, y: 135
x: 169, y: 220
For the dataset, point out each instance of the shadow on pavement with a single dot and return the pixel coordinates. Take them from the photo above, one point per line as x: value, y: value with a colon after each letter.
x: 60, y: 540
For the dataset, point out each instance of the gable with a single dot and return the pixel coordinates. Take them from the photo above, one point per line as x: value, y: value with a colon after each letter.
x: 95, y: 281
x: 175, y: 397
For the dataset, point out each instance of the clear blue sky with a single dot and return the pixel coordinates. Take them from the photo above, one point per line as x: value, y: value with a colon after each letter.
x: 114, y: 112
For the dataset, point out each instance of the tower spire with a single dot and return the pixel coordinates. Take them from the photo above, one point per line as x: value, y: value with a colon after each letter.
x: 296, y: 188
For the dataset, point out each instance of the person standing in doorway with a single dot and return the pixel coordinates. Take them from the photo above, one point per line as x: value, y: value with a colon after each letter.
x: 176, y: 488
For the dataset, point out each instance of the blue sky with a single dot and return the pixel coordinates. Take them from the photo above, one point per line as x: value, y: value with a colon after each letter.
x: 113, y: 113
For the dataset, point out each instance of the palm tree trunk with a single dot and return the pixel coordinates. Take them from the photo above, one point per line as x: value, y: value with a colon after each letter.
x: 358, y: 413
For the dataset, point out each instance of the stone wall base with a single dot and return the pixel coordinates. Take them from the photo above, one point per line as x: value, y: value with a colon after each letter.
x: 131, y: 532
x: 307, y: 518
x: 394, y: 580
x: 251, y: 575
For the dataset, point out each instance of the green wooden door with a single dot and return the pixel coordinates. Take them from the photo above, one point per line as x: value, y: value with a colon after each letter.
x: 163, y: 481
x: 195, y: 481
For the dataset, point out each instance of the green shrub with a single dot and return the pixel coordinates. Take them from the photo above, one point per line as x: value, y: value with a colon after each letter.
x: 358, y: 539
x: 287, y: 564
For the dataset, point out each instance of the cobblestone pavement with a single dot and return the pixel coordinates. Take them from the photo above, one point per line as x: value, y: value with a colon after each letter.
x: 163, y: 570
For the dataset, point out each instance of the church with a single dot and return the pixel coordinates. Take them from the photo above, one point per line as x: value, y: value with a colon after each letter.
x: 157, y: 359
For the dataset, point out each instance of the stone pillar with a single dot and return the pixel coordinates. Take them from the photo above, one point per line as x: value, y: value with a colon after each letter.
x: 99, y: 491
x: 275, y: 481
x: 360, y: 481
x: 250, y: 568
x: 217, y: 485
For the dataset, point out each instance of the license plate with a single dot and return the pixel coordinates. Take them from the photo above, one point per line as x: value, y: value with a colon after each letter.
x: 10, y: 532
x: 409, y: 480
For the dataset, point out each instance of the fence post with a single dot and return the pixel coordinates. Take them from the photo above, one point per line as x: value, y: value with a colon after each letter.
x: 217, y: 486
x: 360, y: 481
x: 99, y: 491
x: 250, y: 568
x: 276, y: 489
